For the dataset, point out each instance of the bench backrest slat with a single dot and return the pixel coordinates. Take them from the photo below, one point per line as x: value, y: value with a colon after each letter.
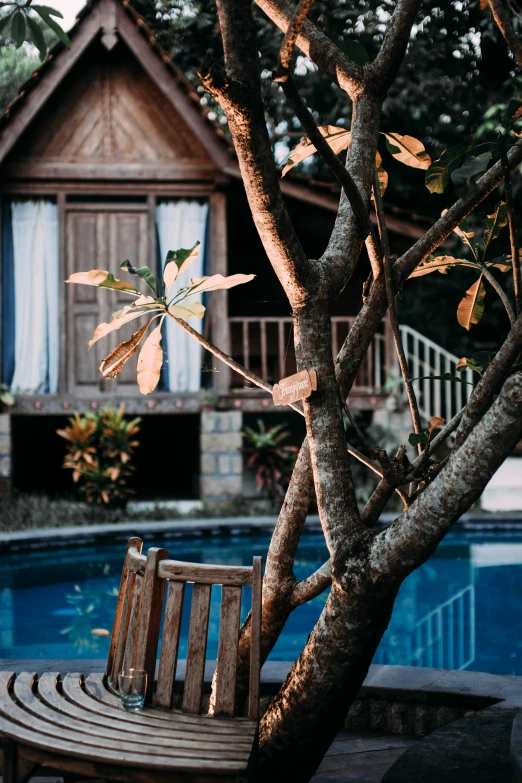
x: 129, y: 655
x: 197, y: 648
x: 137, y: 628
x: 225, y: 677
x: 170, y: 644
x: 122, y: 615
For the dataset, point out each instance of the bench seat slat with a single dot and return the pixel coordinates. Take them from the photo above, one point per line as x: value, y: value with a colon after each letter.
x: 51, y: 737
x: 116, y: 731
x: 48, y: 692
x: 147, y: 717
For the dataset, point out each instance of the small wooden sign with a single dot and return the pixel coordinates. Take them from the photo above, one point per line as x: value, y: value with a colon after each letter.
x: 295, y: 387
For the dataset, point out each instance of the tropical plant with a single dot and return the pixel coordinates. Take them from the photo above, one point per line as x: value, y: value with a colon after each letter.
x: 269, y: 457
x: 22, y: 22
x: 99, y: 453
x: 179, y: 306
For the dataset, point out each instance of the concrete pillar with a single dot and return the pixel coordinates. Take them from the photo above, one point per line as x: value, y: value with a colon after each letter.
x: 5, y: 454
x: 221, y: 456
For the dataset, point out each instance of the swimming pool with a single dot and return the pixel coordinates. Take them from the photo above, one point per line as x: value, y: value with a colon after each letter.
x: 461, y: 610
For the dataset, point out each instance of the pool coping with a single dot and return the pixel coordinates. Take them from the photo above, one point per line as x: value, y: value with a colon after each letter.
x: 82, y: 534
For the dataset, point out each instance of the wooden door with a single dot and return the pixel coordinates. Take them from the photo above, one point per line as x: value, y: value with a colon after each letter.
x: 100, y: 240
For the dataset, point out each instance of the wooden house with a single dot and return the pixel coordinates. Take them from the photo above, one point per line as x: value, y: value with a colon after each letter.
x: 106, y: 154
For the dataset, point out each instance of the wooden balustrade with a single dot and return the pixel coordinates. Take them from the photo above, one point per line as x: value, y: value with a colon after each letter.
x: 265, y: 345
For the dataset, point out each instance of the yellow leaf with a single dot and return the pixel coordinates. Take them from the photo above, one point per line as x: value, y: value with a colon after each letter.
x: 103, y: 329
x: 382, y: 174
x: 187, y: 310
x: 408, y: 150
x: 217, y: 282
x: 440, y: 264
x: 337, y: 137
x: 102, y: 279
x: 471, y: 308
x: 436, y: 421
x: 100, y: 632
x: 114, y: 363
x: 150, y: 361
x: 462, y: 363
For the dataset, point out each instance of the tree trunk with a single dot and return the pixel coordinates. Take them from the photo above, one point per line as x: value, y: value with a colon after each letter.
x: 308, y: 711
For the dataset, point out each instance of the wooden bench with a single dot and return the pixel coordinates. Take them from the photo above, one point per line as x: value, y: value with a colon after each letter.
x: 76, y: 724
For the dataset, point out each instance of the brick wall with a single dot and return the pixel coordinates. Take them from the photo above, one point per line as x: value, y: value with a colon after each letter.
x: 221, y: 457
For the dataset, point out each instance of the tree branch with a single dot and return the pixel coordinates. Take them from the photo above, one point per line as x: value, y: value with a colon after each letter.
x: 490, y: 383
x: 362, y: 215
x: 318, y: 47
x: 392, y: 307
x: 499, y: 9
x: 289, y: 41
x: 512, y: 222
x: 383, y: 70
x: 414, y: 536
x: 238, y: 90
x: 500, y: 291
x: 312, y: 586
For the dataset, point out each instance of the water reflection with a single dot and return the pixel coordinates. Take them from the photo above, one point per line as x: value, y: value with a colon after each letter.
x: 461, y: 610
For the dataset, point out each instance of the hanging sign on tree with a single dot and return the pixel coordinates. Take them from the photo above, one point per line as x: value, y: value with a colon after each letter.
x: 295, y: 387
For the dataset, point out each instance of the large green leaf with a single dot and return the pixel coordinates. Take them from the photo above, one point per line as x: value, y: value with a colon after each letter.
x: 47, y: 14
x: 408, y: 150
x: 337, y: 137
x: 466, y: 177
x: 18, y: 28
x: 438, y: 174
x: 45, y: 9
x: 143, y: 272
x: 471, y: 308
x: 37, y: 36
x: 178, y: 260
x: 495, y: 223
x: 5, y: 22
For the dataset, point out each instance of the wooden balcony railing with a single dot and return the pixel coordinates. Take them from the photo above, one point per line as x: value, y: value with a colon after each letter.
x: 266, y: 346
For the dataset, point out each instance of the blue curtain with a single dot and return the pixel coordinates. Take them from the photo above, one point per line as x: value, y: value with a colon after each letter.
x: 8, y: 295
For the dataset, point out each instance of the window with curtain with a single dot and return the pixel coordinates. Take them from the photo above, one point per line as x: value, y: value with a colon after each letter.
x: 30, y: 297
x: 181, y: 223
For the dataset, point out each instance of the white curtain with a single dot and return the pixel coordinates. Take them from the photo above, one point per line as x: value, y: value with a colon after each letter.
x: 181, y: 224
x: 36, y: 295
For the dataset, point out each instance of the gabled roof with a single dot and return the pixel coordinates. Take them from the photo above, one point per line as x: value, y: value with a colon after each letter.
x: 114, y: 19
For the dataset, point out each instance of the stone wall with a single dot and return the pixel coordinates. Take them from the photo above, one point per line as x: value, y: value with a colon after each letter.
x: 221, y: 456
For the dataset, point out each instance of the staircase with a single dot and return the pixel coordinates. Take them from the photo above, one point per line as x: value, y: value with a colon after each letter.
x: 435, y: 397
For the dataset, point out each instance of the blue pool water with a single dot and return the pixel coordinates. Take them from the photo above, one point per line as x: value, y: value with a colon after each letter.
x: 462, y: 609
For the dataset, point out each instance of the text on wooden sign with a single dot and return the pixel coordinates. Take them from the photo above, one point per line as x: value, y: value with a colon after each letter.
x: 295, y: 387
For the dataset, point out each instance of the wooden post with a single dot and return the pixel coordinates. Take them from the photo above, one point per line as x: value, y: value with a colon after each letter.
x: 219, y: 322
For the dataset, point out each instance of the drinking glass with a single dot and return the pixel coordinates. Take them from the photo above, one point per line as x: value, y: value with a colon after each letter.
x: 133, y: 686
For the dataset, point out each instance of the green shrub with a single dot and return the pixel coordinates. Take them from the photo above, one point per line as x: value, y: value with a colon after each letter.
x: 99, y: 453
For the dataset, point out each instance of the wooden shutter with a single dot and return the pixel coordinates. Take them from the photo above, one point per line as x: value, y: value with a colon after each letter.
x: 100, y: 240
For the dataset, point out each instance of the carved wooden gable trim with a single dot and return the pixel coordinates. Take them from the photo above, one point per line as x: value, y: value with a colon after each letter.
x: 108, y: 110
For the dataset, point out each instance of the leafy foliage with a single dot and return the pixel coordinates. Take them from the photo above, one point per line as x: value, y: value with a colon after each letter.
x: 100, y: 446
x: 20, y: 25
x: 6, y: 398
x: 425, y: 436
x: 471, y: 307
x: 269, y: 457
x: 161, y: 305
